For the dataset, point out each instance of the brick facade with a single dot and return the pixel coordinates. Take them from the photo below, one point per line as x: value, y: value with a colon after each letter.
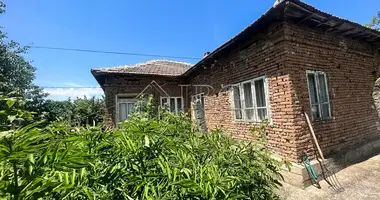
x: 265, y: 57
x: 133, y: 85
x: 351, y: 67
x: 282, y: 52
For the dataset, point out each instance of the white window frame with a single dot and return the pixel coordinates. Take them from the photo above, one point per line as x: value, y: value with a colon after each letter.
x: 316, y: 73
x: 175, y: 103
x: 254, y: 107
x: 123, y: 98
x: 198, y: 96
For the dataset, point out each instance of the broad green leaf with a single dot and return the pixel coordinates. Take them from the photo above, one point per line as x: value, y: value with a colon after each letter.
x: 146, y: 140
x: 10, y: 102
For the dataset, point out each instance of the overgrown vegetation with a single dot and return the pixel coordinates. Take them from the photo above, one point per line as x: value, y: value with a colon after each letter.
x: 79, y: 112
x: 147, y: 158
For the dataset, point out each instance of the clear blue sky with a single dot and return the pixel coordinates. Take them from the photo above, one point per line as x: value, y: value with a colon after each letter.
x: 167, y: 27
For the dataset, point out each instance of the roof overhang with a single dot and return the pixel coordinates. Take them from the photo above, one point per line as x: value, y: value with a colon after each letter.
x: 101, y: 75
x: 297, y: 12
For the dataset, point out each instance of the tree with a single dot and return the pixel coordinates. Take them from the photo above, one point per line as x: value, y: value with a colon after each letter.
x: 17, y: 74
x: 79, y: 112
x: 375, y: 22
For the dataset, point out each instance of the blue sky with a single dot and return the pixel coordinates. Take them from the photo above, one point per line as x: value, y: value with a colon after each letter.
x: 166, y: 27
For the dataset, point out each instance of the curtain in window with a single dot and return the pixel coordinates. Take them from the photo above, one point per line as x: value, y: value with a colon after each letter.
x: 237, y: 102
x: 260, y: 99
x: 172, y: 105
x: 313, y: 96
x: 248, y: 101
x: 122, y: 112
x: 179, y: 104
x: 323, y: 95
x: 130, y: 109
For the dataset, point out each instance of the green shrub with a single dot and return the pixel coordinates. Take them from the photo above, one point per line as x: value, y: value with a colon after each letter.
x: 149, y: 157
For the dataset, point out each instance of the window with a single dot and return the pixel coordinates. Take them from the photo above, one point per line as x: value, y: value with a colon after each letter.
x: 318, y: 95
x: 250, y: 100
x: 124, y: 107
x: 174, y: 104
x: 200, y: 97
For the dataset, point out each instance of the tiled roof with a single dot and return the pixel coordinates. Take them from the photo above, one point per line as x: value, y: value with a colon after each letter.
x: 153, y: 67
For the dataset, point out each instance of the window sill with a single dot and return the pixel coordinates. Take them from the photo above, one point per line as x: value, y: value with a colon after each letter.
x: 324, y: 121
x: 248, y: 122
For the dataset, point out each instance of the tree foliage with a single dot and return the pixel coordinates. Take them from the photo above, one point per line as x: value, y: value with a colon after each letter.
x: 375, y: 22
x: 149, y: 157
x: 79, y: 112
x: 16, y: 73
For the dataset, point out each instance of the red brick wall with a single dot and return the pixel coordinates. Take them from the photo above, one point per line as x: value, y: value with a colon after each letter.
x: 127, y: 84
x: 283, y: 53
x: 266, y: 56
x: 351, y: 68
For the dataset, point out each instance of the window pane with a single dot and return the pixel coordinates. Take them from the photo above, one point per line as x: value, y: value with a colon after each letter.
x: 238, y: 114
x: 325, y: 111
x: 237, y: 102
x: 312, y: 88
x: 172, y: 105
x: 163, y: 102
x: 260, y: 93
x: 249, y: 114
x: 248, y: 100
x: 262, y: 113
x: 322, y: 88
x: 315, y: 112
x: 179, y: 103
x: 130, y: 109
x: 122, y: 112
x: 236, y: 94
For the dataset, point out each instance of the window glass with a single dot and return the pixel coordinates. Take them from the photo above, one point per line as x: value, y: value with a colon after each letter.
x: 179, y: 104
x: 260, y: 93
x: 130, y: 109
x: 315, y: 111
x: 262, y: 113
x: 312, y: 88
x: 322, y: 88
x: 248, y: 98
x: 325, y: 111
x: 122, y: 112
x: 249, y: 113
x: 237, y: 102
x: 172, y: 105
x: 164, y: 102
x: 319, y: 98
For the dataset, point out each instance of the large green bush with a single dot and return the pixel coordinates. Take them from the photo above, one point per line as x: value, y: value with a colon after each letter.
x: 147, y: 158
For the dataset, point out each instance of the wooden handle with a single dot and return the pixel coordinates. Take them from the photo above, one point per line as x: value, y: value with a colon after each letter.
x: 315, y: 138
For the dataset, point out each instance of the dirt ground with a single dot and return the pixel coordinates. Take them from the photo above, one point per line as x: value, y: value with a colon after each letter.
x: 359, y: 181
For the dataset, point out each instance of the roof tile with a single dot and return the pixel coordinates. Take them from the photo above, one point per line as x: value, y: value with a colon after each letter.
x: 153, y: 67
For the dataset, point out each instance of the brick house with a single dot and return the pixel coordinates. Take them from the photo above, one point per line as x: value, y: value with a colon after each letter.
x: 293, y: 59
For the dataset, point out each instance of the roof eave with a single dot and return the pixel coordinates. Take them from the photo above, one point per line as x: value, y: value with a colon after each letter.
x: 283, y: 7
x: 96, y: 73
